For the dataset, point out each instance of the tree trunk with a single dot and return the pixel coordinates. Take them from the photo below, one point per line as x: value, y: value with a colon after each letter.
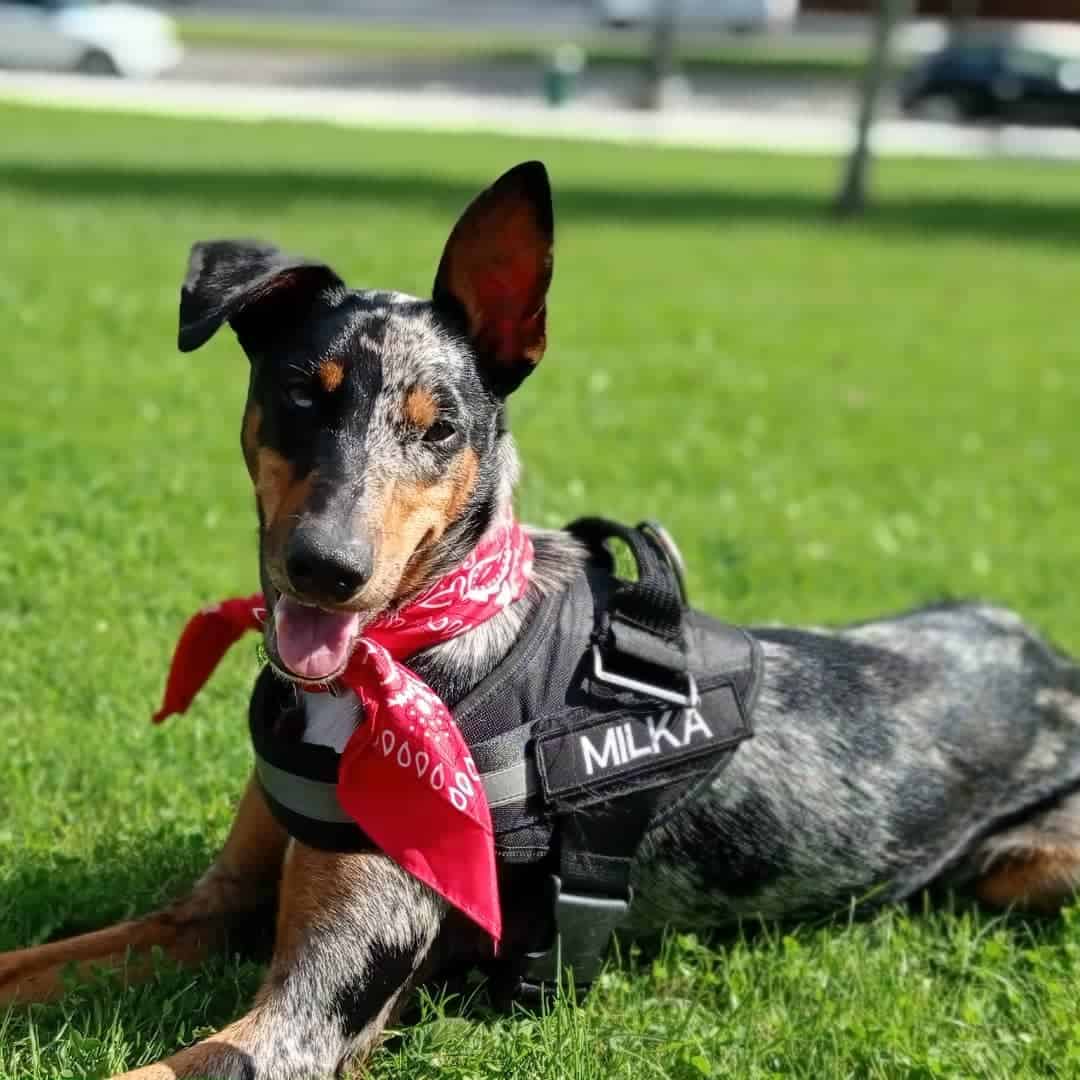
x: 661, y: 63
x: 962, y: 14
x: 853, y: 190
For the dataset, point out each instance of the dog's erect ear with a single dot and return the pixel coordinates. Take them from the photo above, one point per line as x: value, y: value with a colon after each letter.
x: 495, y: 271
x: 252, y: 285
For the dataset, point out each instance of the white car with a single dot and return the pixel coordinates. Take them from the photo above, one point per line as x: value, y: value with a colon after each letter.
x: 78, y: 35
x: 738, y: 15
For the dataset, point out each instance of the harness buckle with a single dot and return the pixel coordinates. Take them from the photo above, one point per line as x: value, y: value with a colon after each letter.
x: 688, y: 700
x: 584, y: 924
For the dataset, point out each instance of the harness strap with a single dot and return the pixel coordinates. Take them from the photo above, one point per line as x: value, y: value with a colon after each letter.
x: 506, y: 768
x: 641, y: 630
x: 318, y: 799
x: 592, y: 896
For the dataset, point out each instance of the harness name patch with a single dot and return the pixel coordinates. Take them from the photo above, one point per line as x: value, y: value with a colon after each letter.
x: 621, y: 746
x: 674, y: 731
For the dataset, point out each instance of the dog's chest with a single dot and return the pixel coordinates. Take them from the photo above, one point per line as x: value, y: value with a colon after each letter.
x: 331, y: 718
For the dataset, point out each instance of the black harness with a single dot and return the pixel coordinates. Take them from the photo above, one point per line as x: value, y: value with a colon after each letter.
x: 616, y: 705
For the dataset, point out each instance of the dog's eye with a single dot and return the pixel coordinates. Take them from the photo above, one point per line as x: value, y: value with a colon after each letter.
x: 440, y: 431
x: 298, y: 394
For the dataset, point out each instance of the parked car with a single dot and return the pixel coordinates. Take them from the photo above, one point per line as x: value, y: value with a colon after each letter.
x: 78, y: 35
x: 1026, y: 75
x: 737, y: 15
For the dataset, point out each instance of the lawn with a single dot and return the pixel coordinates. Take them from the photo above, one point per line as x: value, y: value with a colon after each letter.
x: 834, y: 421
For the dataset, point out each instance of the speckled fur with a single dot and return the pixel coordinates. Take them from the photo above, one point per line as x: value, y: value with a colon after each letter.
x: 888, y: 757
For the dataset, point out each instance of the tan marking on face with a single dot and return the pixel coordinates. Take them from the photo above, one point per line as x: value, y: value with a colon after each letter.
x: 331, y: 374
x: 249, y: 438
x: 273, y: 475
x: 281, y: 497
x: 411, y: 519
x: 421, y: 409
x: 463, y: 482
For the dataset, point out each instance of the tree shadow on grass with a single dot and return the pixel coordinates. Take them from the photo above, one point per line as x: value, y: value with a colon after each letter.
x: 147, y: 999
x: 1001, y: 218
x: 939, y: 910
x: 175, y: 1007
x: 50, y: 894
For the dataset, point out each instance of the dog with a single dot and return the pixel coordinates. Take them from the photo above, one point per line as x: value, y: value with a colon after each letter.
x: 937, y: 748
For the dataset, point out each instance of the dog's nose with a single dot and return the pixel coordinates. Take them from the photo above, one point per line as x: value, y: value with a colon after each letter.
x: 322, y: 569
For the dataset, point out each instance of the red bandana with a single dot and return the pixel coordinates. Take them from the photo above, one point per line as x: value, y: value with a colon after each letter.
x: 408, y: 753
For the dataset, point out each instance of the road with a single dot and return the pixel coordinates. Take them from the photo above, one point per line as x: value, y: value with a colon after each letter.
x: 510, y: 81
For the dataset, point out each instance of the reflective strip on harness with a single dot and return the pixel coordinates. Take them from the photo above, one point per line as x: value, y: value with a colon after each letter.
x: 317, y: 799
x: 511, y: 784
x: 308, y: 798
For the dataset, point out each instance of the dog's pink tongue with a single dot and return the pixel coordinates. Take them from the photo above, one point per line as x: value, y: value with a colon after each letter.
x: 313, y: 644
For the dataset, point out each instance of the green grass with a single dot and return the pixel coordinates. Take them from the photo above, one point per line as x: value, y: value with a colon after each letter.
x: 699, y: 52
x: 833, y: 420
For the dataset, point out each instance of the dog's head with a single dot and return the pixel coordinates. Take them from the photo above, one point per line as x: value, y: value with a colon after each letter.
x: 374, y: 427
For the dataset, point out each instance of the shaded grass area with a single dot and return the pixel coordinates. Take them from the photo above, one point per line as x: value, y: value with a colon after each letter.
x: 834, y: 421
x: 700, y: 53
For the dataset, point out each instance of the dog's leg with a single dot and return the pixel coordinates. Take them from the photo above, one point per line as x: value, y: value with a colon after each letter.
x: 1034, y: 866
x: 242, y: 879
x: 354, y: 933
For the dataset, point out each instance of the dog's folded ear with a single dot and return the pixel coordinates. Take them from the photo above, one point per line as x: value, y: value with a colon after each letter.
x: 255, y: 286
x: 495, y: 272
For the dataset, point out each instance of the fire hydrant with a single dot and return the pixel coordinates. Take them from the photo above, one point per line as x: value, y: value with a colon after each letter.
x: 562, y: 73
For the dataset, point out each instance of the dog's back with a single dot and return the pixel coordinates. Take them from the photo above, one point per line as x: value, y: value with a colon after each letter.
x: 941, y: 745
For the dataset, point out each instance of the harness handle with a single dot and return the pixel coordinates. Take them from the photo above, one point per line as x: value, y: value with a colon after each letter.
x: 643, y: 621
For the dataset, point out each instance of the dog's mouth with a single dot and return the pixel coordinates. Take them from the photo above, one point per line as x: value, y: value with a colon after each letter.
x: 313, y: 644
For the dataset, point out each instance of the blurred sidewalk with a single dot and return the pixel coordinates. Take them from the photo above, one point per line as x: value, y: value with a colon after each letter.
x: 603, y: 86
x: 694, y: 125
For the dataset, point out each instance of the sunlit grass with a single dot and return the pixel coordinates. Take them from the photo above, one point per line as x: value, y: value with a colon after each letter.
x: 834, y: 421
